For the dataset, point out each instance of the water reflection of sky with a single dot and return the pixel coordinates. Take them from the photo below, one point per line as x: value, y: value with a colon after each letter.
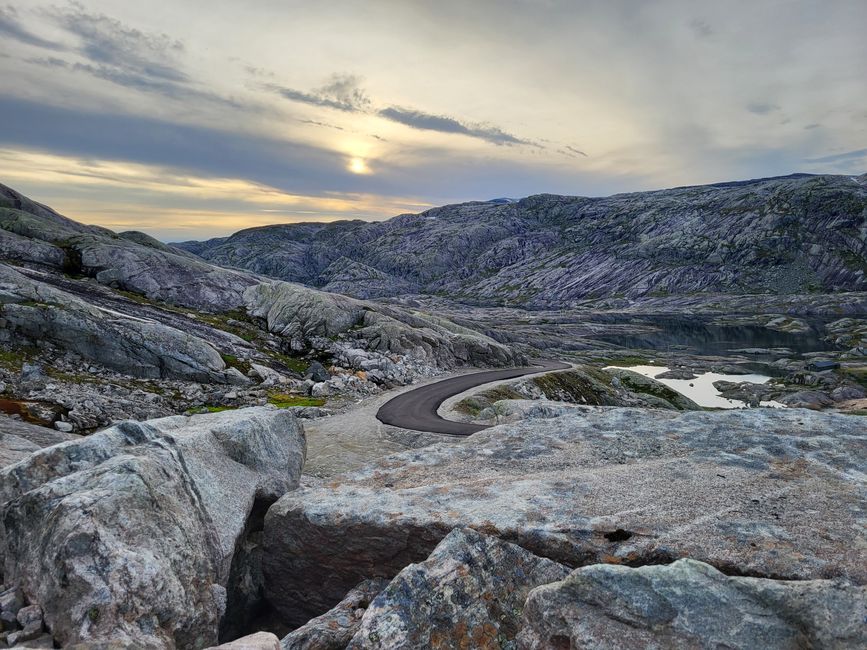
x: 701, y: 390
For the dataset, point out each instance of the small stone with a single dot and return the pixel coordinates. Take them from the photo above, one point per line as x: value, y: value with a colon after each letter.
x: 30, y: 614
x: 65, y: 427
x: 29, y: 633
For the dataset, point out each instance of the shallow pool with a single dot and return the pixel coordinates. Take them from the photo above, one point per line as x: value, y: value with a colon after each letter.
x: 701, y: 390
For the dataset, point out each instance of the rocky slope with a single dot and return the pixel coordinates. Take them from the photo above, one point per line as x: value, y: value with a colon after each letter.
x: 99, y: 312
x: 783, y: 235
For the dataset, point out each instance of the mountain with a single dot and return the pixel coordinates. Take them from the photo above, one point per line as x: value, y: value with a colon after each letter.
x: 791, y: 234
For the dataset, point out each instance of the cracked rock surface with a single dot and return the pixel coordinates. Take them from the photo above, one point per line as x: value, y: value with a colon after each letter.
x: 762, y: 492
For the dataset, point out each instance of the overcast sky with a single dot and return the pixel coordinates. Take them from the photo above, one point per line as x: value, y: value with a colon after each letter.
x: 195, y: 118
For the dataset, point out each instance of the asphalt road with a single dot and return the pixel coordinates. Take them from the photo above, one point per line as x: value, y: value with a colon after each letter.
x: 417, y: 409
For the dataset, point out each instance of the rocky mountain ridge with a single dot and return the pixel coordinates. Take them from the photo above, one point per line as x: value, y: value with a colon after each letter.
x: 785, y: 235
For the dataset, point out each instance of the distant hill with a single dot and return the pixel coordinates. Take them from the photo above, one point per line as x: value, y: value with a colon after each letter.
x: 790, y: 234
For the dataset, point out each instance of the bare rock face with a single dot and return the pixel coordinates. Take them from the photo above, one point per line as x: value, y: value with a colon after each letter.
x: 303, y: 315
x: 36, y: 311
x: 689, y: 604
x: 258, y: 641
x: 127, y: 536
x: 335, y: 629
x: 764, y: 492
x: 468, y: 594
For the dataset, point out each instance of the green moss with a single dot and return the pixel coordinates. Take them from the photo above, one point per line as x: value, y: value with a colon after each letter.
x: 857, y: 373
x: 14, y: 359
x: 234, y: 362
x: 284, y: 400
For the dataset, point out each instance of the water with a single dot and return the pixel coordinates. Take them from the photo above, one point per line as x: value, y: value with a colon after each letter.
x: 701, y: 390
x: 701, y: 336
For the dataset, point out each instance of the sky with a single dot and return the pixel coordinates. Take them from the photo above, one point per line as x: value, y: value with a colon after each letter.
x: 189, y: 119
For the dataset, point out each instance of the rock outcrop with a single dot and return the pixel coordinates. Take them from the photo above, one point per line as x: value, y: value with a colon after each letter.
x: 689, y: 604
x: 793, y: 234
x: 618, y: 485
x: 468, y: 594
x: 303, y: 315
x: 34, y: 311
x: 132, y: 536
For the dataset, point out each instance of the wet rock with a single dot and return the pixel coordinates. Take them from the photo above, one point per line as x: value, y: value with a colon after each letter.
x: 335, y: 629
x: 602, y: 485
x: 689, y: 604
x: 469, y: 593
x: 257, y: 641
x: 129, y: 535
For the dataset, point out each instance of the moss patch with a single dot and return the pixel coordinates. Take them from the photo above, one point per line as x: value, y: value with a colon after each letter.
x: 285, y: 401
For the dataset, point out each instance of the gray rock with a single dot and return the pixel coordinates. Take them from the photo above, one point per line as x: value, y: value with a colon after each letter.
x: 843, y: 393
x: 606, y: 484
x: 160, y: 509
x: 317, y: 372
x: 549, y: 250
x: 257, y: 641
x: 306, y: 316
x: 676, y: 373
x: 468, y: 594
x: 20, y: 439
x: 65, y: 427
x: 808, y: 399
x: 36, y: 311
x: 30, y: 615
x: 689, y: 604
x: 335, y: 629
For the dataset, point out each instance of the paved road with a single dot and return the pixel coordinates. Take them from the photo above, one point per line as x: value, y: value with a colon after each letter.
x: 417, y: 409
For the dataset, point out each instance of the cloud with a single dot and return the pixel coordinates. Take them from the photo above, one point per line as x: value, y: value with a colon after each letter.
x: 342, y: 92
x: 701, y: 28
x: 429, y: 122
x: 762, y: 108
x: 849, y: 156
x: 12, y: 28
x: 106, y: 41
x: 814, y: 125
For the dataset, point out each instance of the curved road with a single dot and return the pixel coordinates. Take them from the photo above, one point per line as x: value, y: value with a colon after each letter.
x: 417, y: 409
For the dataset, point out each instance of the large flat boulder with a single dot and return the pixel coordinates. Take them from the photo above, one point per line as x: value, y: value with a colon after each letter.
x: 689, y: 604
x: 132, y: 536
x: 469, y: 593
x: 763, y: 492
x: 19, y: 439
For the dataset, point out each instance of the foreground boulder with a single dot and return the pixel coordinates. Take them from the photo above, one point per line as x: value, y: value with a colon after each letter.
x: 132, y: 536
x: 689, y: 604
x: 468, y: 594
x: 764, y: 492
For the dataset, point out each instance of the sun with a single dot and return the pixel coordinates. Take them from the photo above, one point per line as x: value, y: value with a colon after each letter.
x: 358, y: 166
